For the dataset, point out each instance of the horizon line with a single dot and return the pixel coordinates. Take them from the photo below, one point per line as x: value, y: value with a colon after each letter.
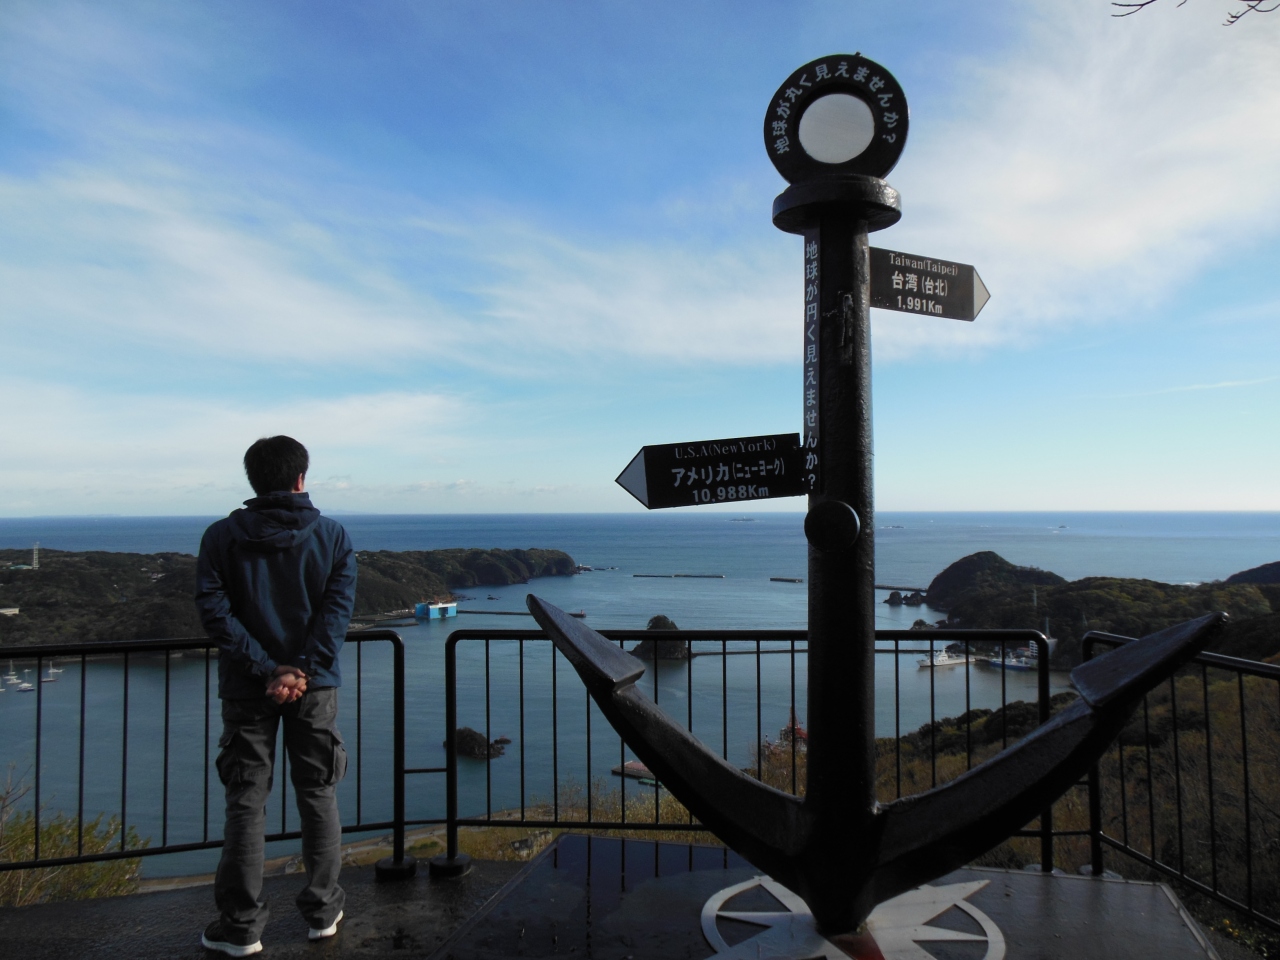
x: 633, y: 513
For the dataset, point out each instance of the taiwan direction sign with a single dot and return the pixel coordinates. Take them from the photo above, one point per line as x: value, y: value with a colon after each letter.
x: 938, y: 288
x: 716, y: 471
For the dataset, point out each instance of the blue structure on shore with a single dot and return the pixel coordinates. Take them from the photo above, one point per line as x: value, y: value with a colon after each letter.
x: 435, y: 611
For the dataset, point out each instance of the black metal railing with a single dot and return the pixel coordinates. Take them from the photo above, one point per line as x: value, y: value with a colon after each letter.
x: 128, y: 655
x: 1190, y: 788
x: 714, y: 692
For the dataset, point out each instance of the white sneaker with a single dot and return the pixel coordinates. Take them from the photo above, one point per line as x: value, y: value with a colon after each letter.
x: 329, y: 931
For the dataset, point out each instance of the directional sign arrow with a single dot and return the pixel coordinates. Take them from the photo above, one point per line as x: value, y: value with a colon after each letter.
x: 716, y: 471
x: 913, y: 284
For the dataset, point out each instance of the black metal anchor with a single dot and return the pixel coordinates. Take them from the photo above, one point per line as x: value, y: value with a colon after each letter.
x: 844, y: 858
x: 834, y: 129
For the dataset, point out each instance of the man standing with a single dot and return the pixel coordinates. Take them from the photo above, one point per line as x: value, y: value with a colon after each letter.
x: 275, y: 587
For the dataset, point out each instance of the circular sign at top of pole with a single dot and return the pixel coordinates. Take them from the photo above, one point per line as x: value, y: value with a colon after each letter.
x: 836, y: 116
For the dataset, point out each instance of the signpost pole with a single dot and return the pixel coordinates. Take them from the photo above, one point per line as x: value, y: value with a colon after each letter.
x: 841, y: 759
x: 841, y: 774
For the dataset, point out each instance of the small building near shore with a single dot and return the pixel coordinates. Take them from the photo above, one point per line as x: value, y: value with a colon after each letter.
x: 435, y: 610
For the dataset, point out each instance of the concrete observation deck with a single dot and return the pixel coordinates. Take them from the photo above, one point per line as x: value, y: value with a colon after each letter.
x: 609, y: 899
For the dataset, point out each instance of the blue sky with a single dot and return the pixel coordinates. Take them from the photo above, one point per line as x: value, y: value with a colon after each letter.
x: 476, y: 255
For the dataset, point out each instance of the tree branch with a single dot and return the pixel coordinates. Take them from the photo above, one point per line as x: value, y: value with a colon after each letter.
x: 1233, y: 17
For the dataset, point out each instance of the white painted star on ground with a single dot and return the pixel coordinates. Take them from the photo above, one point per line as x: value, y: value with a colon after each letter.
x: 898, y: 926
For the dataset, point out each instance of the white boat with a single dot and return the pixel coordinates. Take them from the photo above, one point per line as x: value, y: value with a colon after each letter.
x: 24, y: 686
x: 50, y: 678
x: 11, y: 677
x: 1021, y: 659
x: 947, y: 657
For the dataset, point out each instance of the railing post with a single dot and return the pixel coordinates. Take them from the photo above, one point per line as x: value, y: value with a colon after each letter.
x: 1095, y: 797
x: 1095, y: 822
x: 453, y: 864
x: 398, y: 866
x: 1042, y: 682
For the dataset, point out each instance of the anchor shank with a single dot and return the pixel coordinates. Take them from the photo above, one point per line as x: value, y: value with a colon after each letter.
x: 841, y: 758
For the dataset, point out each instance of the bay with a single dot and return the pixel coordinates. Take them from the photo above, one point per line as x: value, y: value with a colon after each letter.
x: 911, y: 549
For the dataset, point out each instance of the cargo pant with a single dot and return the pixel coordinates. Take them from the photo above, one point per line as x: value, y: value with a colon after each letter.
x: 246, y: 760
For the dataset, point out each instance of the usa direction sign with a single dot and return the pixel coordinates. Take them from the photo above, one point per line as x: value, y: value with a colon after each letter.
x: 912, y: 284
x: 716, y: 471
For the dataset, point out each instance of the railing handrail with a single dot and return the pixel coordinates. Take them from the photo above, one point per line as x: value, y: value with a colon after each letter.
x: 935, y: 633
x: 27, y: 650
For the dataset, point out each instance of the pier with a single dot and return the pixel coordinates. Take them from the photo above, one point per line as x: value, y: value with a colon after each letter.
x: 680, y: 576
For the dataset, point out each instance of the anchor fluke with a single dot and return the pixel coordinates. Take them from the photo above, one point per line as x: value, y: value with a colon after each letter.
x: 766, y: 826
x: 1130, y: 671
x: 944, y: 828
x: 603, y: 666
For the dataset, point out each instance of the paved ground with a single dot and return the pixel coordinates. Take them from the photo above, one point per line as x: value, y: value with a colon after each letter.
x: 407, y: 919
x: 607, y: 899
x: 410, y: 919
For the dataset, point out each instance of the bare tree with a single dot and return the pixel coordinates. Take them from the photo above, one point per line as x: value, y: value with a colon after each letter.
x: 1233, y: 16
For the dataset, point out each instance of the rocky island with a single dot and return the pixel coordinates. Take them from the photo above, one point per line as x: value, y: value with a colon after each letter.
x: 650, y: 650
x: 98, y: 595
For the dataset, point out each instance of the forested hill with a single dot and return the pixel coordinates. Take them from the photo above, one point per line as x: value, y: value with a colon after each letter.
x: 97, y: 595
x: 395, y: 580
x: 985, y: 590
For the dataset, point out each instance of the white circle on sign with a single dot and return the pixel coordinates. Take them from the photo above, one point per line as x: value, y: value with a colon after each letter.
x: 836, y: 128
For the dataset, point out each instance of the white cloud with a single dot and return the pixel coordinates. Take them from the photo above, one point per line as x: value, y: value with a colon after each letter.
x: 1193, y: 387
x: 1097, y: 169
x: 181, y: 262
x: 1088, y: 173
x: 1091, y: 173
x: 150, y: 257
x: 648, y: 301
x: 75, y: 451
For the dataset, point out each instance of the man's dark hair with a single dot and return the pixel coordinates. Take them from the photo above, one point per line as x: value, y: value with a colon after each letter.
x: 274, y: 463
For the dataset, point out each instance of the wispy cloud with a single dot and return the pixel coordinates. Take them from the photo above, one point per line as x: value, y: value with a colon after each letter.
x: 1189, y: 388
x: 153, y: 258
x: 1096, y: 169
x: 1083, y: 173
x: 157, y: 454
x: 676, y: 302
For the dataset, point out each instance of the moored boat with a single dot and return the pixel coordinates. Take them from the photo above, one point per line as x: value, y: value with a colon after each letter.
x: 1024, y: 658
x: 951, y: 656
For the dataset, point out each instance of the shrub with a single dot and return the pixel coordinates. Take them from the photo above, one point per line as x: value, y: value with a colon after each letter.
x: 58, y: 838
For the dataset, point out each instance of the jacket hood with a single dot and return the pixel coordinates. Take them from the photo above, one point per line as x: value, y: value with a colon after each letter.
x: 276, y: 521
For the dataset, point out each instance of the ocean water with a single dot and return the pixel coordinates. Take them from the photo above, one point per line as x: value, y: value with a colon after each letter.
x: 911, y: 550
